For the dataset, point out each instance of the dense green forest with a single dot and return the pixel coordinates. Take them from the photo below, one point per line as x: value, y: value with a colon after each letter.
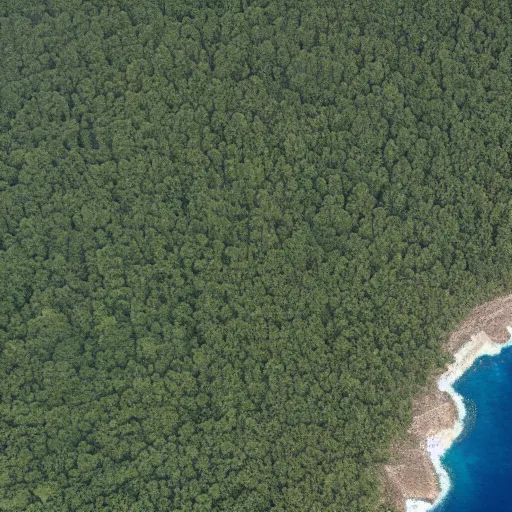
x: 233, y: 236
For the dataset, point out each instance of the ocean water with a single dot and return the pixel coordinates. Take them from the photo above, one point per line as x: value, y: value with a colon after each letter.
x: 480, y: 461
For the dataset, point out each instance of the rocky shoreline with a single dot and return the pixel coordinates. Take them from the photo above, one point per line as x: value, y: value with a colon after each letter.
x: 411, y: 481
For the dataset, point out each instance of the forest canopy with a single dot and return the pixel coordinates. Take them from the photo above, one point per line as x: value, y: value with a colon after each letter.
x: 233, y: 236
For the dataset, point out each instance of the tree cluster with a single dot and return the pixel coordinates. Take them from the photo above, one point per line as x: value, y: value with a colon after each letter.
x: 233, y: 236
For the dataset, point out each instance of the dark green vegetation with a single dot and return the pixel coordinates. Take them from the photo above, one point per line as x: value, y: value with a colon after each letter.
x: 231, y: 240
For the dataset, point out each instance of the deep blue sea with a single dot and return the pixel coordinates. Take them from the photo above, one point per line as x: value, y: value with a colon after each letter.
x: 480, y: 460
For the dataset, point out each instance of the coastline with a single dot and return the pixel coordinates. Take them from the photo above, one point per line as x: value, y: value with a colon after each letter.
x: 414, y: 479
x: 479, y: 345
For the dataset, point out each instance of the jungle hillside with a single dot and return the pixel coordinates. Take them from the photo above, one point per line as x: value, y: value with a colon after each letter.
x: 233, y: 237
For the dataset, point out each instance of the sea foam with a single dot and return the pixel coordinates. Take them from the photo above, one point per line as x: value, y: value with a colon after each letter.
x: 438, y: 444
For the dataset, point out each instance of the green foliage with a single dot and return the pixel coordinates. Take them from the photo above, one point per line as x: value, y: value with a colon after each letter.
x: 233, y: 236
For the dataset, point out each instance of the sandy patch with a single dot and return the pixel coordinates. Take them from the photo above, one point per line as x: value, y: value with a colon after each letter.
x: 415, y: 479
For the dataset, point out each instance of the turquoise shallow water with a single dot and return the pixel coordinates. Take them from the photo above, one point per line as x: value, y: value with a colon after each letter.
x: 480, y: 460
